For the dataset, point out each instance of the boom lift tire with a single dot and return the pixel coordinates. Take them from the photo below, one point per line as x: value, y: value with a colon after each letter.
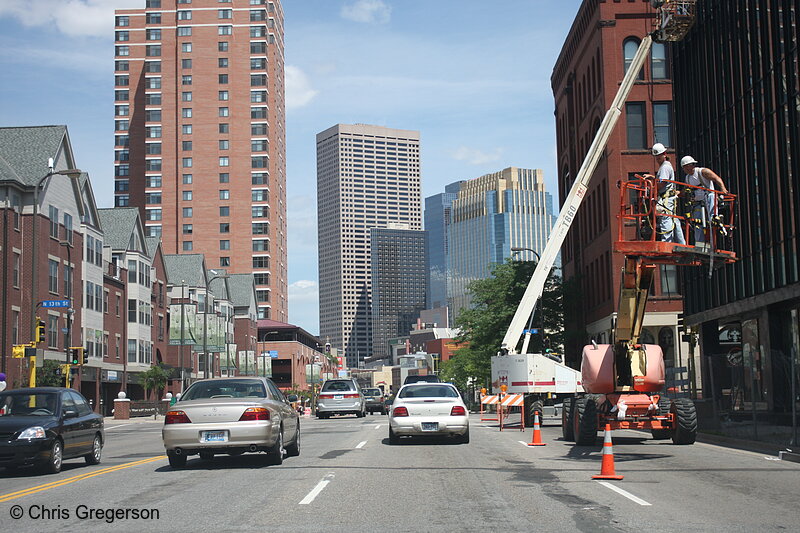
x: 664, y: 404
x: 567, y: 430
x: 585, y: 420
x: 537, y: 407
x: 685, y: 430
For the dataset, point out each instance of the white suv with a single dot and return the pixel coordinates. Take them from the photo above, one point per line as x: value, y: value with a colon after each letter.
x: 340, y: 396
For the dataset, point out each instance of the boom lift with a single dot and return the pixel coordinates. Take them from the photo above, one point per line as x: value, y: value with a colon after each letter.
x: 621, y: 371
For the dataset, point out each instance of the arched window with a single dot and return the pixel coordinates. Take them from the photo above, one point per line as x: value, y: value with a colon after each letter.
x: 658, y: 62
x: 629, y: 47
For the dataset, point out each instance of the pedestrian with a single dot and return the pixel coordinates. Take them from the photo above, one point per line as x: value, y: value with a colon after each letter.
x: 669, y: 227
x: 704, y: 203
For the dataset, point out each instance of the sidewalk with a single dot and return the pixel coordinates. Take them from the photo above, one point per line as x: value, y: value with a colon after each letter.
x: 111, y: 421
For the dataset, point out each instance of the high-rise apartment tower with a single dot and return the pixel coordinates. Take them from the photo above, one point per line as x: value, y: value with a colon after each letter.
x: 200, y: 133
x: 367, y: 177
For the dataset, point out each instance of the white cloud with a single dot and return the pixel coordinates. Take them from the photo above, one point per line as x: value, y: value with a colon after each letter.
x: 298, y: 88
x: 368, y: 11
x: 87, y: 18
x: 303, y: 304
x: 473, y: 156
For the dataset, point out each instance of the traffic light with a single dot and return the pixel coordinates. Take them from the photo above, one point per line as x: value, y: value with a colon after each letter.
x: 41, y: 333
x: 77, y: 355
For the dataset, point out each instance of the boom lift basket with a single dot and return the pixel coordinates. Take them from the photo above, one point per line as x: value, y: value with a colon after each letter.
x: 675, y: 20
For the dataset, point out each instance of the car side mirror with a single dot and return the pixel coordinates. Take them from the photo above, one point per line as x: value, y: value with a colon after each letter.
x: 70, y: 413
x: 292, y: 398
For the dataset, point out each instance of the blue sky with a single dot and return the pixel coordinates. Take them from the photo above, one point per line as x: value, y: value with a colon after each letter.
x: 472, y: 76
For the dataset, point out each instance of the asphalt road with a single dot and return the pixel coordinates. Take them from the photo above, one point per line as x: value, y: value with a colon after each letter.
x: 348, y: 478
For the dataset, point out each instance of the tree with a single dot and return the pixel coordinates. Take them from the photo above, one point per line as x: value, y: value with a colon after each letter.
x: 154, y: 379
x: 47, y: 375
x: 494, y: 301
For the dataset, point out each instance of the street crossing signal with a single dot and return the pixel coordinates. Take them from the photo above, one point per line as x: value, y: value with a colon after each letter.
x: 18, y: 351
x: 41, y: 333
x: 77, y: 355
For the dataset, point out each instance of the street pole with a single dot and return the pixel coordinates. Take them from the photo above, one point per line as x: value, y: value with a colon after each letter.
x: 209, y: 363
x: 183, y: 298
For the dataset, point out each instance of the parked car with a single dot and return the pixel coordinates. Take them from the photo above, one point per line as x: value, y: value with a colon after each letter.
x: 45, y: 425
x: 231, y: 416
x: 428, y: 409
x: 373, y: 399
x: 340, y: 396
x: 429, y: 378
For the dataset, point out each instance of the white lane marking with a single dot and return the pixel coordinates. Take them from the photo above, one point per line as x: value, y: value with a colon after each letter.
x: 316, y: 490
x: 522, y: 442
x: 114, y: 427
x: 360, y: 444
x: 379, y: 426
x: 625, y: 493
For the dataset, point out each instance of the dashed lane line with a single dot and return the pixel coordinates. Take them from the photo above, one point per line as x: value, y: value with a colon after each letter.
x: 625, y: 493
x: 360, y: 444
x: 316, y: 490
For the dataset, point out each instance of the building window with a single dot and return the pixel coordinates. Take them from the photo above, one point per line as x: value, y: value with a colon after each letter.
x: 153, y: 181
x: 224, y: 144
x: 224, y: 13
x: 258, y: 96
x: 122, y: 36
x: 187, y: 212
x: 122, y: 51
x: 186, y: 112
x: 152, y: 198
x: 184, y: 31
x: 186, y: 146
x: 259, y: 129
x: 152, y: 3
x: 260, y: 228
x: 52, y: 332
x: 186, y: 80
x: 258, y: 48
x: 153, y: 50
x: 153, y: 148
x: 262, y: 278
x: 15, y: 270
x: 223, y: 78
x: 222, y: 46
x: 223, y: 95
x: 186, y: 129
x: 187, y: 246
x: 152, y: 115
x: 152, y: 99
x: 153, y: 132
x: 122, y: 21
x: 259, y: 211
x: 261, y: 261
x: 152, y: 66
x: 225, y: 211
x: 121, y: 125
x: 187, y: 179
x: 224, y: 245
x: 186, y: 96
x: 224, y: 112
x: 186, y: 162
x: 54, y: 222
x: 658, y: 62
x: 662, y: 122
x: 224, y: 128
x: 259, y: 195
x: 153, y: 82
x: 222, y: 62
x: 184, y: 15
x: 260, y: 161
x: 629, y: 48
x: 121, y: 66
x: 225, y: 227
x: 224, y: 194
x: 258, y: 80
x: 257, y: 15
x: 121, y: 96
x: 52, y: 282
x: 261, y: 245
x: 187, y: 196
x: 224, y: 161
x: 132, y: 350
x: 635, y: 124
x: 152, y: 18
x: 152, y: 165
x: 187, y: 229
x: 224, y: 30
x: 152, y: 35
x: 186, y: 63
x: 258, y: 145
x: 258, y: 31
x: 153, y: 215
x: 224, y: 261
x: 121, y: 81
x: 224, y: 177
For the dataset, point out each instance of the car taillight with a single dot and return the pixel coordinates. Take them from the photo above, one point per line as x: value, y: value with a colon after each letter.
x: 176, y: 417
x: 457, y: 410
x: 254, y: 413
x: 351, y: 395
x: 400, y: 411
x: 325, y: 396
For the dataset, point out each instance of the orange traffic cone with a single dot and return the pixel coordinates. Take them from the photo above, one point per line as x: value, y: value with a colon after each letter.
x: 537, y: 432
x: 607, y: 466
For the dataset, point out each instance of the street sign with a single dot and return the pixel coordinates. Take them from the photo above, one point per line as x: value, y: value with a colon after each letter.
x: 534, y: 331
x: 273, y: 354
x: 55, y: 303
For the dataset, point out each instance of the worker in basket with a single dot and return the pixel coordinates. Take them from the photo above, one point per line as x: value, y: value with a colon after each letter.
x: 703, y: 212
x: 668, y: 225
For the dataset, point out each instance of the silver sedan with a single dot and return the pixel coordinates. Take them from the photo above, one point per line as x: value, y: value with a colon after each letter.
x: 423, y: 409
x: 231, y: 416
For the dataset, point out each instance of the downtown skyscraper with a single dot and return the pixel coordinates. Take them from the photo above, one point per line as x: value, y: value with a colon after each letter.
x: 367, y: 177
x: 200, y: 133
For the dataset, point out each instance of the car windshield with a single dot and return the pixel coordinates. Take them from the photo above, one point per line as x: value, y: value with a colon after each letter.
x: 337, y: 386
x: 23, y: 404
x: 429, y: 391
x: 372, y: 392
x: 226, y: 388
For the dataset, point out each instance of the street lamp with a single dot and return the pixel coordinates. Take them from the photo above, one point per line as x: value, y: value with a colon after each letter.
x: 518, y: 249
x: 72, y: 173
x: 183, y: 321
x: 209, y: 364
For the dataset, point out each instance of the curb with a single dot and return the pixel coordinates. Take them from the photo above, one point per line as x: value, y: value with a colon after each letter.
x: 742, y: 444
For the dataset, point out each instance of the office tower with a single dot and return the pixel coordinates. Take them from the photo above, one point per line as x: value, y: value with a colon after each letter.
x: 399, y: 283
x: 585, y: 80
x: 437, y: 223
x: 367, y: 177
x: 200, y: 133
x: 493, y: 214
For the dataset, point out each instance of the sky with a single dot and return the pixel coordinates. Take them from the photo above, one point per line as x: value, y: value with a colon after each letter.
x: 473, y: 77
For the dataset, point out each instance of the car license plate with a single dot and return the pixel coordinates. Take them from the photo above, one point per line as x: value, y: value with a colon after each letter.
x: 215, y: 436
x: 430, y: 426
x: 338, y: 396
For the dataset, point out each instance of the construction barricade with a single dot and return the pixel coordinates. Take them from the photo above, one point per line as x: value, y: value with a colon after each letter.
x: 487, y: 401
x: 508, y: 406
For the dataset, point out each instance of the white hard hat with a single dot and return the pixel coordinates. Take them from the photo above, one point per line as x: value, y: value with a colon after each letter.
x: 688, y: 160
x: 659, y: 149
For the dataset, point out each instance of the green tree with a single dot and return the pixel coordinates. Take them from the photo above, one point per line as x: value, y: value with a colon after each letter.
x: 154, y: 379
x: 47, y: 375
x: 494, y: 302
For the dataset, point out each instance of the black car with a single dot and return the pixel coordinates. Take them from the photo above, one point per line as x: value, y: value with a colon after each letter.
x: 429, y: 378
x: 45, y: 425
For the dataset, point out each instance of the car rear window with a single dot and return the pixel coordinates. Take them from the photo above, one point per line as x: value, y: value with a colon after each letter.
x: 429, y: 391
x: 222, y: 388
x: 371, y: 392
x: 337, y: 386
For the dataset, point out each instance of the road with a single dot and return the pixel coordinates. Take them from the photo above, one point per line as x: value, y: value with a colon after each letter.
x: 348, y: 478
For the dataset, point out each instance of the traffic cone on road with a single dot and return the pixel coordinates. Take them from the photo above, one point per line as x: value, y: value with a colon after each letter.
x: 607, y: 466
x: 537, y: 432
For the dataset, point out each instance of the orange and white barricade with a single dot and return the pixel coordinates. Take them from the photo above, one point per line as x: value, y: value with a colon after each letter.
x: 507, y: 406
x: 486, y: 402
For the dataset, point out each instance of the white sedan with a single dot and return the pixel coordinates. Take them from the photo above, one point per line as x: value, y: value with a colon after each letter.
x: 428, y: 409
